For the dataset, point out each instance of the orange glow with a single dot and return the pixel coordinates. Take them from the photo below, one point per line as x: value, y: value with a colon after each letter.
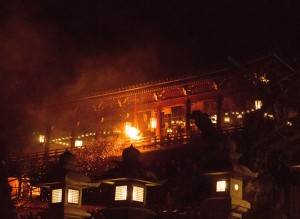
x: 24, y: 189
x: 153, y: 123
x: 258, y: 104
x: 14, y: 184
x: 221, y: 186
x: 138, y: 194
x: 226, y: 119
x: 132, y: 132
x: 42, y: 138
x: 121, y: 193
x: 78, y: 143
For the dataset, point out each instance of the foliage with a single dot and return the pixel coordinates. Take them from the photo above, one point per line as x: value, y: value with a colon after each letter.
x: 269, y: 142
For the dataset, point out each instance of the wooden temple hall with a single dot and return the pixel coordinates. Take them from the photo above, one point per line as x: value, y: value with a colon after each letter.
x: 160, y: 111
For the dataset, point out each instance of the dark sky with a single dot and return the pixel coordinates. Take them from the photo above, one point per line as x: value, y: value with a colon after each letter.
x: 55, y: 48
x: 86, y: 45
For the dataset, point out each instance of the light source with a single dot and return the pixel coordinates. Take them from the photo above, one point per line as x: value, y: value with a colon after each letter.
x: 56, y: 195
x: 153, y: 123
x: 120, y: 193
x: 41, y: 138
x: 130, y: 182
x: 138, y: 193
x: 73, y: 196
x: 226, y: 119
x: 227, y: 190
x: 78, y: 143
x: 221, y: 186
x: 258, y: 104
x: 65, y: 183
x: 129, y: 192
x: 236, y: 187
x: 132, y: 132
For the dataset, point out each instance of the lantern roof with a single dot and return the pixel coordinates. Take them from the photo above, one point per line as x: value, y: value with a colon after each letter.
x: 237, y: 169
x: 67, y: 172
x: 130, y: 169
x: 131, y: 155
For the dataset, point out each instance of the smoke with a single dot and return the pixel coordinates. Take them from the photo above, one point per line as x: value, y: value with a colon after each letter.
x: 40, y: 64
x: 32, y: 67
x: 32, y: 64
x: 103, y: 72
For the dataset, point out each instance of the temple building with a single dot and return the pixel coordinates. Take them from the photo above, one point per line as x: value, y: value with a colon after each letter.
x: 160, y: 110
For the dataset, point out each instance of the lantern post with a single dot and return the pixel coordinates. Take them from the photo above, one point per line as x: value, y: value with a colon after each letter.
x: 65, y: 184
x: 130, y: 182
x: 226, y: 199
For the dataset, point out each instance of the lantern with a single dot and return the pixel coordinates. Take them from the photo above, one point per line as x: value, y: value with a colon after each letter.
x: 130, y: 183
x: 226, y: 199
x: 78, y: 143
x: 65, y: 184
x: 41, y: 139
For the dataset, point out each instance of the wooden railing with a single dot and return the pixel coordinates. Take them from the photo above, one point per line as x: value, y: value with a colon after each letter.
x: 143, y: 144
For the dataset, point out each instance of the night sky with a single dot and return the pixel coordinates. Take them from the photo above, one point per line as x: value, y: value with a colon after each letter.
x: 51, y: 49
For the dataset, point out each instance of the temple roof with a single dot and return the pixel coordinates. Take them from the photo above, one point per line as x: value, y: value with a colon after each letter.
x: 184, y: 79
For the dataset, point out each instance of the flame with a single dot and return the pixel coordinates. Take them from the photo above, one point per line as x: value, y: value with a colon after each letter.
x: 132, y: 132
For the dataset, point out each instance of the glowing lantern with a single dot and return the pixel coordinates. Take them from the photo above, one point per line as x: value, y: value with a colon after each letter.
x: 130, y: 192
x: 73, y: 196
x: 42, y: 138
x: 153, y: 122
x: 236, y: 187
x: 130, y: 182
x: 226, y: 119
x: 138, y: 193
x: 258, y: 104
x: 227, y: 185
x: 221, y: 186
x: 66, y: 184
x: 121, y: 193
x: 56, y: 196
x: 227, y: 190
x: 213, y: 119
x: 78, y: 143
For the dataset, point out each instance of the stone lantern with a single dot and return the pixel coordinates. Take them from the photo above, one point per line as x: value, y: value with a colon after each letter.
x: 130, y: 181
x: 65, y: 183
x: 226, y: 199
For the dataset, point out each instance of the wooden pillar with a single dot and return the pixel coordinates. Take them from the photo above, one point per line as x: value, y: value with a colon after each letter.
x: 74, y: 126
x: 99, y: 117
x: 187, y: 116
x: 74, y: 133
x: 219, y: 110
x: 158, y: 121
x: 49, y: 129
x: 218, y: 86
x: 123, y: 104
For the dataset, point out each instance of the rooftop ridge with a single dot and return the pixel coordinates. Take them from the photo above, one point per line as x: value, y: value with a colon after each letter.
x: 146, y: 85
x: 172, y: 80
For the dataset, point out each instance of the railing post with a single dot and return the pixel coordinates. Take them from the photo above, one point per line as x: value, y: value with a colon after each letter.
x: 55, y: 154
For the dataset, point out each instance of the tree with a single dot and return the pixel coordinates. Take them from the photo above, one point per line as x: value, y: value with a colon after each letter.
x: 270, y: 140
